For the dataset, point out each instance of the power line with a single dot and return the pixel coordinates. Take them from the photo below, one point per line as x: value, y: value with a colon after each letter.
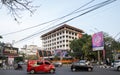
x: 99, y: 5
x: 73, y: 12
x: 116, y: 35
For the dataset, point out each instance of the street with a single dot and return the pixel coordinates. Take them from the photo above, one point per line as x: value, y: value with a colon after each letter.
x: 65, y: 70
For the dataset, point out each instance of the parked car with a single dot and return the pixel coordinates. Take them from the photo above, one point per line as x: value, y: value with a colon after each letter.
x: 81, y: 65
x: 35, y: 66
x: 57, y: 64
x: 116, y: 65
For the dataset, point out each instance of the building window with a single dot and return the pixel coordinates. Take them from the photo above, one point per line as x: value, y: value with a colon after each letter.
x: 67, y: 45
x: 66, y: 31
x: 66, y: 40
x: 60, y: 37
x: 69, y: 36
x: 66, y: 36
x: 72, y: 37
x: 75, y: 34
x: 60, y: 45
x: 72, y: 33
x: 60, y: 41
x: 69, y: 32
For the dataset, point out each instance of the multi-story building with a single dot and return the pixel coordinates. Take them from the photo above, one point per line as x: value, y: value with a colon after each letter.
x: 60, y: 37
x: 29, y: 49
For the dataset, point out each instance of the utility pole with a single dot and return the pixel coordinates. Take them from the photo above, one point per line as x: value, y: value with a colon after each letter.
x: 98, y: 56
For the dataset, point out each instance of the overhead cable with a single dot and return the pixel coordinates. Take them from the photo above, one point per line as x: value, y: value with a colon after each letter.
x: 99, y: 5
x: 75, y: 11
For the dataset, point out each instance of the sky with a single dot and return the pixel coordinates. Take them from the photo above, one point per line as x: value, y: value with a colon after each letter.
x: 106, y: 19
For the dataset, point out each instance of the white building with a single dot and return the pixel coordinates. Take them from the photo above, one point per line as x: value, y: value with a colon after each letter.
x: 30, y: 49
x: 60, y: 37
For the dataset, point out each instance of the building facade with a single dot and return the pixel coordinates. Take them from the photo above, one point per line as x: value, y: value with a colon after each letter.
x: 60, y: 37
x: 29, y: 50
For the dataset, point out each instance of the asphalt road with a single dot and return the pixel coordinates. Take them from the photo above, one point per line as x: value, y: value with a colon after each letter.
x: 65, y: 70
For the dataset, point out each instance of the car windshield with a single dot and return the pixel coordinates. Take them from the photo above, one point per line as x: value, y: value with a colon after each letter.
x: 82, y: 61
x: 116, y: 61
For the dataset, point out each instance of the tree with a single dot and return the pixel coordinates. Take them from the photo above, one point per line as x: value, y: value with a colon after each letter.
x: 15, y: 6
x: 111, y: 46
x: 82, y: 47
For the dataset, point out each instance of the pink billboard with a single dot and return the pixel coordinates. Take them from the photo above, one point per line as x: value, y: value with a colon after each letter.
x: 97, y: 41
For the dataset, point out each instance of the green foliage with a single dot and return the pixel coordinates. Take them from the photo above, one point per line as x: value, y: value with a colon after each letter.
x: 17, y: 59
x: 82, y: 47
x: 111, y: 46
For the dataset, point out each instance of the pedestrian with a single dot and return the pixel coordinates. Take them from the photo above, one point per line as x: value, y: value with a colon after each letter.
x: 108, y: 63
x: 4, y: 65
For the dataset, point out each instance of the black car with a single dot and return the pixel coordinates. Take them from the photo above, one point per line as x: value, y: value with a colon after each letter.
x: 81, y: 65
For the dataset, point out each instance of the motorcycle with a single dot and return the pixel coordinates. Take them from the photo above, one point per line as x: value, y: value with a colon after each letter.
x: 19, y: 67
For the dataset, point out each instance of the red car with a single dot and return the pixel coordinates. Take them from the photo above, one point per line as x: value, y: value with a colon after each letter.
x: 34, y: 66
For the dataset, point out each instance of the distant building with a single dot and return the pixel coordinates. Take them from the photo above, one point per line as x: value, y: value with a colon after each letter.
x: 29, y: 49
x: 8, y: 53
x: 7, y: 50
x: 59, y: 38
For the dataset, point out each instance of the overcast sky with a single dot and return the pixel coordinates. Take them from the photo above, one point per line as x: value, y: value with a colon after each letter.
x: 106, y: 19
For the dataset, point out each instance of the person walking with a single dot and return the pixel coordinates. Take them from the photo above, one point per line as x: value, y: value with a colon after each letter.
x: 108, y: 63
x: 4, y: 65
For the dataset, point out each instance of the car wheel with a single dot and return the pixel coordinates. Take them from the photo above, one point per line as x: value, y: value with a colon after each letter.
x: 73, y: 69
x: 118, y: 68
x: 32, y: 71
x: 89, y: 69
x: 52, y: 71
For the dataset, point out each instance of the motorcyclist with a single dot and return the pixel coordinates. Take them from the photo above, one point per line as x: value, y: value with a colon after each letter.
x: 19, y: 67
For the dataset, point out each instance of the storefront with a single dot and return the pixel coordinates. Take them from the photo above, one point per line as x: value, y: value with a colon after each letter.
x: 8, y: 54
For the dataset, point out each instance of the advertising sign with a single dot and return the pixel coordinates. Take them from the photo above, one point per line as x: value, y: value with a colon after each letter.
x: 61, y: 53
x: 10, y: 51
x: 98, y: 41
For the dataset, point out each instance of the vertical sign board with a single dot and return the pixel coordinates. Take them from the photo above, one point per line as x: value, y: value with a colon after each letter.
x: 97, y: 41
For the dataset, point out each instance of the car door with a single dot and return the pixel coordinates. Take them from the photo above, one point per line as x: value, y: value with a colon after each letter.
x: 40, y: 66
x: 77, y: 65
x: 46, y: 66
x: 82, y: 65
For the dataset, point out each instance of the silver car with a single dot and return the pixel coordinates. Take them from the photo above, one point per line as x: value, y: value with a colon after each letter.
x: 116, y: 65
x: 58, y: 64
